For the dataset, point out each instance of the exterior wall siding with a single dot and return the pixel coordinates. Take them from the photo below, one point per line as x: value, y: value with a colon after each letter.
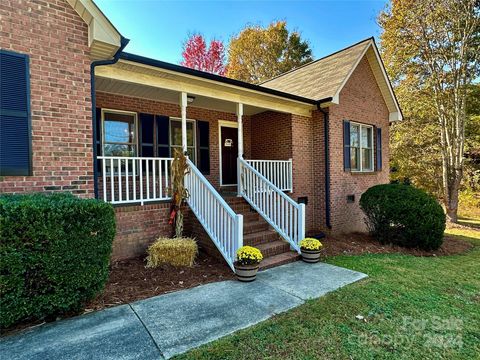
x: 56, y: 40
x: 360, y: 101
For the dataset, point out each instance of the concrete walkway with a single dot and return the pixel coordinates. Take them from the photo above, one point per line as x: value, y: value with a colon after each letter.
x: 167, y: 325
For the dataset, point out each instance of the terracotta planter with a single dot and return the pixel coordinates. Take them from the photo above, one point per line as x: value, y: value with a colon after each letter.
x: 246, y: 273
x: 310, y: 256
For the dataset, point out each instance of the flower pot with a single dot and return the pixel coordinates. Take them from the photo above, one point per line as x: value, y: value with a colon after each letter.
x: 310, y: 256
x: 246, y: 273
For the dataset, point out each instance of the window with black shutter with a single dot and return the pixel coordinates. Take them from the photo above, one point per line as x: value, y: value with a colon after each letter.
x: 15, y: 128
x: 147, y: 124
x: 203, y: 134
x: 163, y: 131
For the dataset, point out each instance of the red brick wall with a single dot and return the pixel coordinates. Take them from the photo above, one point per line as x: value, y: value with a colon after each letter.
x: 119, y: 102
x: 56, y: 39
x: 139, y: 226
x: 360, y: 101
x: 280, y: 136
x: 271, y: 136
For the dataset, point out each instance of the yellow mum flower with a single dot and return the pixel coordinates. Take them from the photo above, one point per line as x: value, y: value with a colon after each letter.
x: 248, y: 255
x: 310, y: 244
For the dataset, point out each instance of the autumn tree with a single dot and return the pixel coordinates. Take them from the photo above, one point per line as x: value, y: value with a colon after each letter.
x: 257, y: 54
x: 198, y: 56
x: 431, y: 48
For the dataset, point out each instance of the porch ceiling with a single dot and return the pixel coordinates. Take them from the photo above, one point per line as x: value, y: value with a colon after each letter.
x: 169, y: 96
x: 129, y: 76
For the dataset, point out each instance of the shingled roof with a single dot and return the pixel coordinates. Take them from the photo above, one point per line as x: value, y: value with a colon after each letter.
x: 324, y: 78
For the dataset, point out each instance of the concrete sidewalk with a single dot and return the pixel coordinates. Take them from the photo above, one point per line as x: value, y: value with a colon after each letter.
x: 170, y: 324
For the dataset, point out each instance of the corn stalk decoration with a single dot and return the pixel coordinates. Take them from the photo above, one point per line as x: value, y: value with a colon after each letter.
x: 178, y: 191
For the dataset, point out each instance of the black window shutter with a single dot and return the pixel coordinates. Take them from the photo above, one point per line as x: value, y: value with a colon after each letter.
x: 163, y: 130
x: 203, y: 146
x: 346, y: 145
x: 379, y: 149
x: 15, y: 128
x: 146, y: 135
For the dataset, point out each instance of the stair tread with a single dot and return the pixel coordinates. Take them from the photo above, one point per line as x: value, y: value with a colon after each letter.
x: 259, y: 233
x: 271, y: 244
x: 279, y: 259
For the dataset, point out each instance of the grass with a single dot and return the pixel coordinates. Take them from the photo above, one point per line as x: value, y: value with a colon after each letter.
x: 413, y: 307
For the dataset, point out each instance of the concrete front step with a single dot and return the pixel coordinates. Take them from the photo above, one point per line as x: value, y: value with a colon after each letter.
x: 280, y: 259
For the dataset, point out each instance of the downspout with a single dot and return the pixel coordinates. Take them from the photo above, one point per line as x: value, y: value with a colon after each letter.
x: 327, y: 163
x: 93, y: 65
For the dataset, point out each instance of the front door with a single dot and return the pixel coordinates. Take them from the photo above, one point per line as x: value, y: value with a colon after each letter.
x: 229, y: 149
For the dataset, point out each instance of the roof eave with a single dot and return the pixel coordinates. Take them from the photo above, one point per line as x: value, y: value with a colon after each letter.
x: 212, y: 77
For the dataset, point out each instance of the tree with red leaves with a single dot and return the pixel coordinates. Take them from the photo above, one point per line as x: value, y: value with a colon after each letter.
x: 197, y: 56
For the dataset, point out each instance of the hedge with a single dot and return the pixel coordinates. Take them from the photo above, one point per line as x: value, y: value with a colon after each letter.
x: 54, y: 252
x: 403, y: 215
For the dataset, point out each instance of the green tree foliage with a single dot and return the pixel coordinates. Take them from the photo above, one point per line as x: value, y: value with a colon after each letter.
x: 431, y: 50
x: 257, y: 54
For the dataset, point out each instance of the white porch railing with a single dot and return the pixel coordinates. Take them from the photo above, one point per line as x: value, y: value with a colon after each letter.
x: 285, y: 215
x: 221, y: 223
x: 134, y: 179
x: 278, y: 172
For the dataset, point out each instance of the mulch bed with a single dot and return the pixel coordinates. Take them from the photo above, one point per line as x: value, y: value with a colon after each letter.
x: 357, y: 244
x: 130, y: 280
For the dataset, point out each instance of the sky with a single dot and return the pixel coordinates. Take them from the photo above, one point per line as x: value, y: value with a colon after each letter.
x: 158, y: 28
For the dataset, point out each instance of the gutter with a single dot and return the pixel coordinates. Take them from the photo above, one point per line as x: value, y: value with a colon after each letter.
x: 327, y: 160
x: 93, y: 65
x: 213, y: 77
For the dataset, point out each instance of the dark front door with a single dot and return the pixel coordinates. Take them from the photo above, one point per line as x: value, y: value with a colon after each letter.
x: 229, y: 146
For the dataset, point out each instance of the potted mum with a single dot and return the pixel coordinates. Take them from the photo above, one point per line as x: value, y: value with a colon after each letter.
x: 248, y: 260
x: 310, y: 249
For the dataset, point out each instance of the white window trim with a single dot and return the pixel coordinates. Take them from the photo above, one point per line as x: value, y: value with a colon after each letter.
x: 135, y: 116
x: 170, y: 143
x: 361, y: 170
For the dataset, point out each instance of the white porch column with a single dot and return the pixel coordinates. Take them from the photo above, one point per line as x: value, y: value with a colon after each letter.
x: 183, y: 107
x: 240, y: 146
x: 240, y: 129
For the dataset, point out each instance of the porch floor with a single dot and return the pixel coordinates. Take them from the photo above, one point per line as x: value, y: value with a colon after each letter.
x: 170, y: 324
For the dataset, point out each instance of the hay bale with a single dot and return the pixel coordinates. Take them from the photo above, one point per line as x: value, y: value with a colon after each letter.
x: 176, y: 252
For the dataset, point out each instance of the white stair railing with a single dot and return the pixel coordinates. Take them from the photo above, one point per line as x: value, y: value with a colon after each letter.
x: 134, y: 179
x: 221, y: 223
x: 285, y: 215
x: 279, y: 172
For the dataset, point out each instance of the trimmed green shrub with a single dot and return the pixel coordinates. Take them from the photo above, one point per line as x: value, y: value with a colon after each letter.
x: 54, y: 254
x: 403, y: 215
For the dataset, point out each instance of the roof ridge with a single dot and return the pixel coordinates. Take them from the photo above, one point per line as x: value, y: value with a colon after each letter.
x: 317, y: 60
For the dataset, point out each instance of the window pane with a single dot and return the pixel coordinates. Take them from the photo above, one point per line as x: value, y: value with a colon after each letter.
x: 354, y: 135
x: 191, y: 154
x: 118, y: 150
x: 190, y: 134
x: 119, y: 128
x: 366, y: 137
x: 176, y: 129
x: 355, y: 158
x: 176, y: 126
x: 366, y: 159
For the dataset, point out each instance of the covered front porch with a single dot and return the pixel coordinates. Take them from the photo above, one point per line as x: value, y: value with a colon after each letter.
x: 135, y: 148
x: 238, y: 140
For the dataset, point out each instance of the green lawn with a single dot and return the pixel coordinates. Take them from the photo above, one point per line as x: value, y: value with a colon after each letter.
x: 424, y: 308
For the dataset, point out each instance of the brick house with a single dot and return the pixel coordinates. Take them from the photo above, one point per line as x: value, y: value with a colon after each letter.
x: 269, y: 163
